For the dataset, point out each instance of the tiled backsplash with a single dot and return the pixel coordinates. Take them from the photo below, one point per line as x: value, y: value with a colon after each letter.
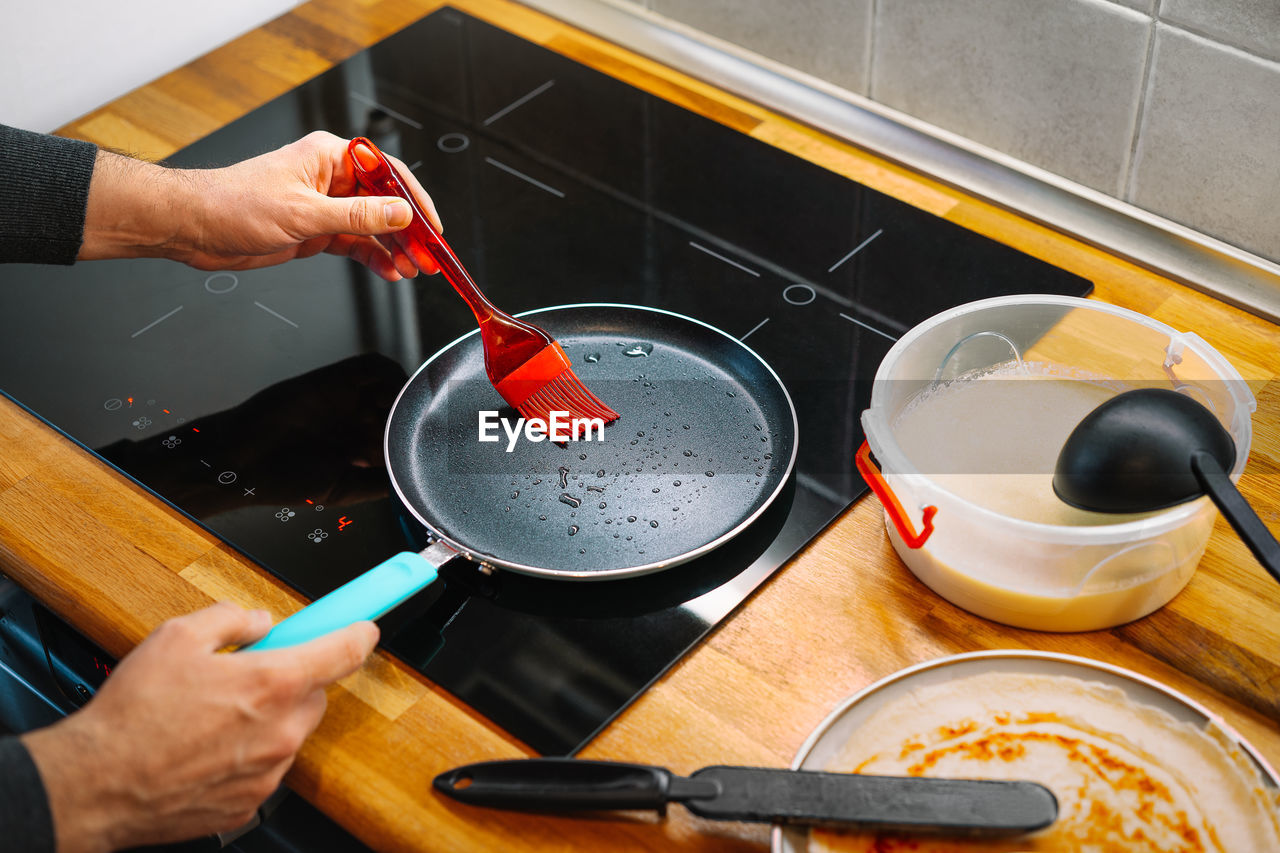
x: 1172, y: 105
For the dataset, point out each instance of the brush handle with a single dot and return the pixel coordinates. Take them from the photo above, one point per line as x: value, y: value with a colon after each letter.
x: 508, y: 343
x: 419, y: 237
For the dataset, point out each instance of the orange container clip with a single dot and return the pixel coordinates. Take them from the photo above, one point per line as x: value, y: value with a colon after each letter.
x: 889, y: 500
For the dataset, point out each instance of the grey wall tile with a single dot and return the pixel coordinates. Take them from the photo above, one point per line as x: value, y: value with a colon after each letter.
x: 1055, y: 84
x: 829, y: 39
x: 1208, y: 153
x: 1141, y: 5
x: 1253, y: 25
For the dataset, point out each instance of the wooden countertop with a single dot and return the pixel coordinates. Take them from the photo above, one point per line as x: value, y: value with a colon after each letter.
x: 115, y: 561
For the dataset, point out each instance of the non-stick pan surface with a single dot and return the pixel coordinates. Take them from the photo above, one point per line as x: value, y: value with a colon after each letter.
x: 705, y: 441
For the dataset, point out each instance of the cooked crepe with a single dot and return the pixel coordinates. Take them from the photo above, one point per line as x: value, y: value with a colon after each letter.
x: 1128, y: 777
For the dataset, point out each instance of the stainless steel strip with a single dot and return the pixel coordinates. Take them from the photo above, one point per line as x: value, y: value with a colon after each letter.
x: 1176, y: 251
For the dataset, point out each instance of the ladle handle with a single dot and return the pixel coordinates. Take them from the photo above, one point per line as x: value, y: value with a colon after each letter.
x: 1237, y: 511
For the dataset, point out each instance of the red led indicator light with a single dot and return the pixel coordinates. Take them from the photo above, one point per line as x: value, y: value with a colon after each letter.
x: 342, y: 523
x: 130, y: 402
x: 166, y: 411
x: 193, y: 429
x: 308, y: 500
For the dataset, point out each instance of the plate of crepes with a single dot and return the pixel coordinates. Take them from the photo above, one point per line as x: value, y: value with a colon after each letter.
x: 1135, y: 765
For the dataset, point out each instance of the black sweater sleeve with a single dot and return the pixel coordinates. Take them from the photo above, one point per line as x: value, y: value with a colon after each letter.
x: 26, y: 825
x: 44, y: 186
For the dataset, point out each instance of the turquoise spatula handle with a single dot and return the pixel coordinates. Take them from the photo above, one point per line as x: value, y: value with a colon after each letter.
x: 368, y: 596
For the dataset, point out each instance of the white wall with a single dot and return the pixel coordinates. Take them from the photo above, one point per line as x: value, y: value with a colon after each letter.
x: 59, y: 59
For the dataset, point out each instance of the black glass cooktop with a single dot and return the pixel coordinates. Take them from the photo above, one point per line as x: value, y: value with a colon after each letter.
x: 255, y: 401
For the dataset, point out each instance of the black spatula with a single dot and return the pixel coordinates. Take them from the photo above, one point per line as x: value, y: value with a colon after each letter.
x: 958, y: 806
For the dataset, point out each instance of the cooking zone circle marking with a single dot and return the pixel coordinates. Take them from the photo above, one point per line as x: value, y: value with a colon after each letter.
x: 453, y: 143
x: 221, y: 282
x: 799, y: 294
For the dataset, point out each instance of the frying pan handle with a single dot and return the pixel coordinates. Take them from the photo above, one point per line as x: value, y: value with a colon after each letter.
x: 368, y: 596
x: 890, y: 501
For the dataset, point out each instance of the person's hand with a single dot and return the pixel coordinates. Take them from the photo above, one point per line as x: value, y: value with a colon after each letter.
x: 183, y: 741
x: 293, y: 202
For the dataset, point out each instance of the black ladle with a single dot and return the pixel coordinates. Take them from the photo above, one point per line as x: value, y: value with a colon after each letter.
x: 1154, y: 448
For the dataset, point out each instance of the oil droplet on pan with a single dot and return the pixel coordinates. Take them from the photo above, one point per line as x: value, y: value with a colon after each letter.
x: 569, y: 499
x: 638, y: 350
x: 591, y: 357
x: 573, y: 529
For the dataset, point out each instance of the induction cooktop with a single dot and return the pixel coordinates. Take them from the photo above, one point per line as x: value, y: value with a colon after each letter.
x: 255, y: 402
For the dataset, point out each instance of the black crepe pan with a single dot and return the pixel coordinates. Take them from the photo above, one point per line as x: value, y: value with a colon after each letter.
x: 706, y: 441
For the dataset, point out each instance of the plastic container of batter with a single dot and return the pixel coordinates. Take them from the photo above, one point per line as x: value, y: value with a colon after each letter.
x: 955, y: 508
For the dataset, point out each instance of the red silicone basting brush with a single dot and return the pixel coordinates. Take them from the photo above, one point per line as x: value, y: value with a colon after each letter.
x: 525, y: 364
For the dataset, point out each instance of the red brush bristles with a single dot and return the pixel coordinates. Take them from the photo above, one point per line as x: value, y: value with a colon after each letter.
x: 566, y: 394
x: 527, y: 367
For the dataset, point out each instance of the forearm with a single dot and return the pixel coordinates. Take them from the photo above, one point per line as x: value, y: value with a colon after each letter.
x: 136, y: 209
x: 63, y: 200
